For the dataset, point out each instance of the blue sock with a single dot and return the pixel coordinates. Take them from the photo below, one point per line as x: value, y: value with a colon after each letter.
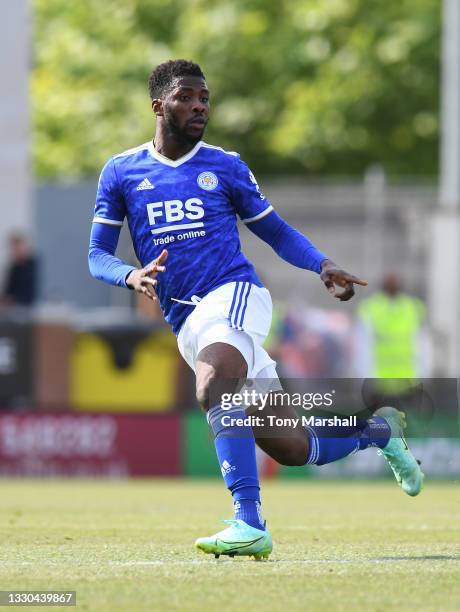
x: 325, y: 448
x: 374, y: 432
x: 236, y: 451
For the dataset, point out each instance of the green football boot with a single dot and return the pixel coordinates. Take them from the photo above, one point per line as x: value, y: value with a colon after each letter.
x: 403, y: 463
x: 238, y: 539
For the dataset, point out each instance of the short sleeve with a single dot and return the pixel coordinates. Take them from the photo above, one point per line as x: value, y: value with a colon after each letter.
x: 110, y: 206
x: 249, y: 202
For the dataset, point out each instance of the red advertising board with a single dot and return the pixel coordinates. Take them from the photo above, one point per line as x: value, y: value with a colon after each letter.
x: 113, y: 445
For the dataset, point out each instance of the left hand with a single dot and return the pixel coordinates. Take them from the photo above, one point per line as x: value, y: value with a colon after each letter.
x: 332, y: 275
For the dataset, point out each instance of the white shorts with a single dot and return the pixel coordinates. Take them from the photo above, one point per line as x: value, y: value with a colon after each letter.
x: 238, y: 313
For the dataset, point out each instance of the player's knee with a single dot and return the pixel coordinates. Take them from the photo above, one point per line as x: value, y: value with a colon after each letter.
x: 202, y: 394
x: 205, y: 384
x: 215, y: 382
x: 204, y: 381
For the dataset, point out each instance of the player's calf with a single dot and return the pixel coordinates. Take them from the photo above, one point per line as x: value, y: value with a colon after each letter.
x: 289, y: 450
x: 280, y: 433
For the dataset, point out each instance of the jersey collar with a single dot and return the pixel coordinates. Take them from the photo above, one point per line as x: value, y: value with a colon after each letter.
x: 174, y: 163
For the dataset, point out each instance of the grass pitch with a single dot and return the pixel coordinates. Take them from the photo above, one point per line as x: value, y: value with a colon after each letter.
x: 129, y: 546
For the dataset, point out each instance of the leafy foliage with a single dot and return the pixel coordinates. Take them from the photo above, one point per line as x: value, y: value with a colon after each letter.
x: 298, y: 86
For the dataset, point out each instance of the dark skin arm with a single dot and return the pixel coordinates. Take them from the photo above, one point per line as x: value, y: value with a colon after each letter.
x: 332, y: 275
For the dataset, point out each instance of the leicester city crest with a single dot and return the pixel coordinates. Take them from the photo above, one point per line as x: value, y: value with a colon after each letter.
x: 207, y: 181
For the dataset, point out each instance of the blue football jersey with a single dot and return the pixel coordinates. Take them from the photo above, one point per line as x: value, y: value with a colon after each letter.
x: 188, y: 206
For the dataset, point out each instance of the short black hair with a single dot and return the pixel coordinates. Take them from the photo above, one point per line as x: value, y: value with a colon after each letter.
x: 164, y: 74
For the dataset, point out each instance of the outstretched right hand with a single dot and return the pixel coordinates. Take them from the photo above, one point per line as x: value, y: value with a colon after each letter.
x: 144, y: 280
x: 332, y: 275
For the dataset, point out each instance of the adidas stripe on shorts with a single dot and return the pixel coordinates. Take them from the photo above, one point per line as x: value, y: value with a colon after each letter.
x: 238, y: 313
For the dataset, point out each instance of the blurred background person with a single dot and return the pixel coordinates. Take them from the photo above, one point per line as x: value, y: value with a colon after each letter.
x: 393, y: 343
x: 314, y: 343
x: 21, y: 279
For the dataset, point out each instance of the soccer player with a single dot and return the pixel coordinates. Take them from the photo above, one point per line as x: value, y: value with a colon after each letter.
x: 181, y: 197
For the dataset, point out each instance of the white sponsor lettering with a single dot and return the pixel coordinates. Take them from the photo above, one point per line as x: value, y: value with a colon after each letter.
x: 171, y: 238
x: 172, y: 211
x: 152, y: 212
x: 195, y: 208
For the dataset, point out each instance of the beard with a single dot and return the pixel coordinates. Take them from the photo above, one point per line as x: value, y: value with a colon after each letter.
x: 179, y: 133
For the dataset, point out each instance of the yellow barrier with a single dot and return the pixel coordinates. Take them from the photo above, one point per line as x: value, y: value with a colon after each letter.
x: 147, y: 384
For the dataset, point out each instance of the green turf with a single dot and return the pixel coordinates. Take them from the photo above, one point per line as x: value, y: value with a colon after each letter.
x: 129, y: 546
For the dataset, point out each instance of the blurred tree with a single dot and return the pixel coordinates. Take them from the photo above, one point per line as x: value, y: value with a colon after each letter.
x: 298, y: 86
